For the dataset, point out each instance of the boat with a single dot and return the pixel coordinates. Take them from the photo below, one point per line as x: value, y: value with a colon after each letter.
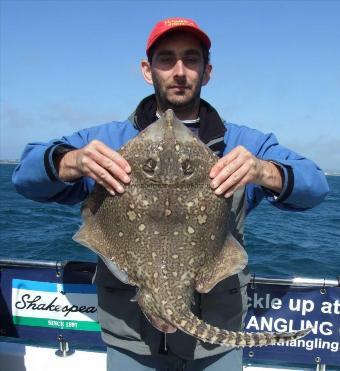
x: 48, y: 319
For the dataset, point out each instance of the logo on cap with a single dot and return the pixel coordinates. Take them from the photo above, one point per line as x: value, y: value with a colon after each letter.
x: 178, y: 22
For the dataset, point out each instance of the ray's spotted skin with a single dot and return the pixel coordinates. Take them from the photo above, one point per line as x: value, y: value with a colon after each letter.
x: 168, y: 232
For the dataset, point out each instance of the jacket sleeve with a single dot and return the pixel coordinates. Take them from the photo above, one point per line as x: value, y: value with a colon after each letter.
x: 35, y: 177
x: 305, y: 184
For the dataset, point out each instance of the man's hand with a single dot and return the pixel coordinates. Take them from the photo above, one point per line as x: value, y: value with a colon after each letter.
x: 240, y: 167
x: 96, y: 160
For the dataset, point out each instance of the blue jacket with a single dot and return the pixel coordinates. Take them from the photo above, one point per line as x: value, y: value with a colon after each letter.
x: 35, y: 177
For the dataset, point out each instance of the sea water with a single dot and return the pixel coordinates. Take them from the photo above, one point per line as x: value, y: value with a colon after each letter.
x: 279, y: 243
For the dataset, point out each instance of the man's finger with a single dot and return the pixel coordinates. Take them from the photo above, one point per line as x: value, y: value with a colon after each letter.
x: 223, y: 162
x: 113, y: 168
x: 114, y: 156
x: 233, y: 182
x: 226, y: 172
x: 109, y: 159
x: 103, y: 177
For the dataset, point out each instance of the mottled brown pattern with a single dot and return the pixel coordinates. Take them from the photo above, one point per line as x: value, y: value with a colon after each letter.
x: 168, y: 232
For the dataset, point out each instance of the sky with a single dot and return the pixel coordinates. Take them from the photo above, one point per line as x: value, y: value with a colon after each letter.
x: 67, y: 65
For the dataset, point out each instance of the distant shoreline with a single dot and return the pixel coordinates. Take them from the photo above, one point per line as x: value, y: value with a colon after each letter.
x: 9, y: 162
x: 332, y: 174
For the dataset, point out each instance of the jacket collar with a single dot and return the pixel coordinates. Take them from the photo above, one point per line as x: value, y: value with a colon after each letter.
x: 211, y: 129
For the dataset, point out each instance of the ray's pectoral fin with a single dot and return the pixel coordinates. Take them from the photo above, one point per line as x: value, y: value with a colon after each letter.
x: 90, y: 234
x: 84, y: 237
x: 93, y: 238
x: 231, y: 260
x: 86, y: 233
x: 89, y: 237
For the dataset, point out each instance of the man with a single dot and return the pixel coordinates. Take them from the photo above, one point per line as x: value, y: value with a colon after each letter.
x: 252, y: 166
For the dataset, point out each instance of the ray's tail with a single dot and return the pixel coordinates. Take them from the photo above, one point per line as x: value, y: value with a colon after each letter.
x: 192, y: 325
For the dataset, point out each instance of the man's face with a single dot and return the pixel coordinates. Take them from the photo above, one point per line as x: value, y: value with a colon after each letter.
x: 178, y: 71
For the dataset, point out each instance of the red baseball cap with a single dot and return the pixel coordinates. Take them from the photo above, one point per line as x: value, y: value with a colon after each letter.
x: 170, y: 24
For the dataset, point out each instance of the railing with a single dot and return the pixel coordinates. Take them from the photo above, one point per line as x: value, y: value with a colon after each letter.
x: 296, y: 281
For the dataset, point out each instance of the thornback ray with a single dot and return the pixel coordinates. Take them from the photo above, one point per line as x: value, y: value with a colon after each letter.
x: 168, y: 233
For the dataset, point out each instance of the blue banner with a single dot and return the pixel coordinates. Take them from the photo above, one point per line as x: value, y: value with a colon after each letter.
x: 282, y: 308
x: 41, y: 304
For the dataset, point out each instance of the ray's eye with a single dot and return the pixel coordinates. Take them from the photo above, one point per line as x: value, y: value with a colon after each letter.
x: 149, y: 166
x: 187, y: 167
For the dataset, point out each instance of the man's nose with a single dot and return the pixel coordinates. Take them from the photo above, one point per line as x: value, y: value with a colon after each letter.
x: 179, y: 68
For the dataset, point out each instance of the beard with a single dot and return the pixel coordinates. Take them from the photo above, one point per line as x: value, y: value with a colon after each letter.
x: 182, y: 104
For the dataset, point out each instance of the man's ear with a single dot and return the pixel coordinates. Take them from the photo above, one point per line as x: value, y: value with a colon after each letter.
x: 146, y: 71
x: 207, y: 74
